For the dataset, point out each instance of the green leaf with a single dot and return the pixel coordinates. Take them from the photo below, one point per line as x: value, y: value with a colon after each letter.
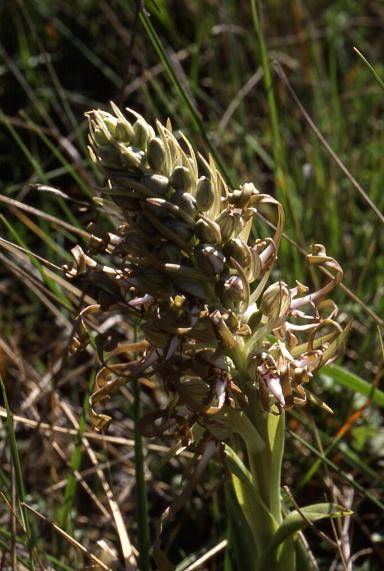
x: 241, y: 424
x: 260, y: 520
x: 351, y: 381
x: 240, y: 550
x: 296, y: 521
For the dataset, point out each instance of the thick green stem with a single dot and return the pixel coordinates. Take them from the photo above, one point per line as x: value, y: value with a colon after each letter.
x: 265, y: 466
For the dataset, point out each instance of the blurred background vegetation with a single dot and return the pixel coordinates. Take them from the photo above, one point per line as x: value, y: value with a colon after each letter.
x: 201, y: 64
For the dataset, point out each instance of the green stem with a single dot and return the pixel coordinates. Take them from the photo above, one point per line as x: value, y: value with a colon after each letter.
x: 265, y: 464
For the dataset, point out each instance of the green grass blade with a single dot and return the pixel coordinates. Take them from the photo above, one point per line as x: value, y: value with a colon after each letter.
x: 56, y: 290
x: 351, y: 381
x: 64, y: 513
x: 22, y: 496
x: 156, y: 42
x: 350, y: 481
x: 370, y: 67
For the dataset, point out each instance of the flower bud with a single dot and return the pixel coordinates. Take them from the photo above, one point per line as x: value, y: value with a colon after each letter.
x: 142, y: 133
x: 110, y: 157
x: 156, y: 154
x: 127, y: 203
x: 276, y: 301
x: 124, y: 132
x: 156, y: 207
x: 110, y: 122
x: 132, y: 244
x: 239, y: 250
x: 254, y: 320
x: 180, y: 228
x: 240, y: 198
x: 131, y: 157
x: 157, y: 183
x: 210, y: 259
x: 181, y: 178
x: 185, y: 201
x: 145, y: 226
x: 232, y: 291
x: 230, y: 222
x: 99, y: 137
x: 208, y: 231
x: 205, y: 194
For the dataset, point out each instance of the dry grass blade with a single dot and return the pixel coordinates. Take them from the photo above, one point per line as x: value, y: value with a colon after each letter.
x: 208, y: 555
x: 11, y: 246
x: 81, y: 480
x: 320, y: 533
x: 45, y: 216
x: 126, y: 546
x: 68, y: 538
x: 16, y: 522
x: 45, y: 427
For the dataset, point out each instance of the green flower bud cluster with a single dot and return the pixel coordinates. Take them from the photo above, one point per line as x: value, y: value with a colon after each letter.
x: 162, y: 192
x: 182, y: 260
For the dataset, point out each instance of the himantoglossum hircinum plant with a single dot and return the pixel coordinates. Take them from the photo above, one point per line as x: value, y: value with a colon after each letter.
x: 232, y: 353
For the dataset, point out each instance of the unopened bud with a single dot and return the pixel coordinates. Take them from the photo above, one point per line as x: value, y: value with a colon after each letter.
x: 142, y: 133
x: 127, y: 203
x: 232, y: 291
x: 154, y: 282
x: 239, y: 250
x: 124, y: 132
x: 240, y: 198
x: 110, y: 156
x: 100, y: 137
x: 131, y: 157
x: 185, y: 201
x: 156, y: 154
x: 170, y: 253
x: 155, y: 335
x: 191, y: 287
x: 276, y: 300
x: 210, y: 259
x: 181, y: 178
x: 180, y: 228
x: 110, y: 123
x: 205, y: 194
x: 157, y: 183
x: 231, y: 223
x: 145, y: 226
x: 208, y: 231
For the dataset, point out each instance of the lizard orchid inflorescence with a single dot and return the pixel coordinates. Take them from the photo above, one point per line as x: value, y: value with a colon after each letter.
x: 182, y: 260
